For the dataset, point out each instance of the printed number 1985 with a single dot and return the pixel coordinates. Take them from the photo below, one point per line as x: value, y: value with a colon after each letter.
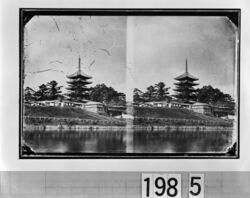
x: 169, y: 186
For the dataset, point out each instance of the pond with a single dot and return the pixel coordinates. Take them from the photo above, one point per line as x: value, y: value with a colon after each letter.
x: 73, y: 142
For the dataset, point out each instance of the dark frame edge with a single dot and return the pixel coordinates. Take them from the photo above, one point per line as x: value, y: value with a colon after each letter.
x: 126, y: 11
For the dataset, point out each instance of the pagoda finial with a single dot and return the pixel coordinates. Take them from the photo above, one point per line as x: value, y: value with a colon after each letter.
x: 186, y: 65
x: 79, y: 64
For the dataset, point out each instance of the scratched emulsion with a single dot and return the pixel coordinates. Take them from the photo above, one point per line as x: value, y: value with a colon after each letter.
x: 52, y: 45
x: 128, y: 55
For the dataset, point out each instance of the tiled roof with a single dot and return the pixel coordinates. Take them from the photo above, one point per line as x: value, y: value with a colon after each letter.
x: 79, y: 73
x: 186, y: 75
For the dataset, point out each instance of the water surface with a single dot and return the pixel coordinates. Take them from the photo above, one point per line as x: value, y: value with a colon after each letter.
x: 133, y: 142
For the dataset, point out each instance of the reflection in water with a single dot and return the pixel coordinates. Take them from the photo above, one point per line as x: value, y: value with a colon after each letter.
x: 128, y: 138
x: 128, y: 142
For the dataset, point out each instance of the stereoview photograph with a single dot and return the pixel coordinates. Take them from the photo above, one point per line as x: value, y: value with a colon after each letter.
x: 137, y: 84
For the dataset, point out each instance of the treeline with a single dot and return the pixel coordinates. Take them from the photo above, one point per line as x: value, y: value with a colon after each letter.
x: 109, y: 96
x: 98, y: 93
x: 48, y: 91
x: 206, y: 94
x: 106, y: 95
x: 214, y: 96
x: 157, y: 92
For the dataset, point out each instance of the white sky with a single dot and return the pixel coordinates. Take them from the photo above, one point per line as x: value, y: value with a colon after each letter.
x: 161, y: 45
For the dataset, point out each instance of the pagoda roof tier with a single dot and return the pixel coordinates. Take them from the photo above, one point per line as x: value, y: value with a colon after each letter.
x: 79, y: 81
x: 79, y: 74
x: 82, y: 89
x: 183, y: 89
x: 77, y: 95
x: 81, y: 86
x: 186, y: 76
x: 180, y: 90
x: 186, y: 82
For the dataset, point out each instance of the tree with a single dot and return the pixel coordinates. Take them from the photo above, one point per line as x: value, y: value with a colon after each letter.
x: 158, y: 92
x: 108, y: 95
x: 214, y: 96
x: 53, y: 90
x: 209, y: 95
x: 149, y: 95
x: 42, y: 93
x: 138, y: 95
x: 161, y: 92
x: 29, y: 94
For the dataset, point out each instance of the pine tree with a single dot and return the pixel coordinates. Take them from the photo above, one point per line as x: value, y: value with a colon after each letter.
x: 29, y: 94
x: 161, y: 91
x: 138, y: 95
x: 150, y: 94
x: 53, y: 90
x: 42, y: 93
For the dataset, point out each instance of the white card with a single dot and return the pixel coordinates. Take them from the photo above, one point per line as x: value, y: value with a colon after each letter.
x: 196, y: 186
x: 147, y: 185
x: 174, y: 186
x: 160, y: 185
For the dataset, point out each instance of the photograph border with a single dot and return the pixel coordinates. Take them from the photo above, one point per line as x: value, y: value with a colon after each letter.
x: 27, y: 13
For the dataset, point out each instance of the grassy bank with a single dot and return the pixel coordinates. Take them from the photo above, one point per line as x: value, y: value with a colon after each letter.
x: 143, y: 116
x: 65, y: 115
x: 177, y: 113
x: 59, y: 112
x: 176, y: 116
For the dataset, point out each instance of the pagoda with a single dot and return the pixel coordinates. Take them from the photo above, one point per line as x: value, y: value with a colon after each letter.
x: 77, y: 84
x: 185, y: 86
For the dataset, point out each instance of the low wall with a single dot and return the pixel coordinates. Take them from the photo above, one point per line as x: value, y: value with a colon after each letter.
x: 52, y: 122
x: 131, y: 128
x: 106, y: 121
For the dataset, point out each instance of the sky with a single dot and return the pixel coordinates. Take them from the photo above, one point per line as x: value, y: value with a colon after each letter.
x: 160, y: 46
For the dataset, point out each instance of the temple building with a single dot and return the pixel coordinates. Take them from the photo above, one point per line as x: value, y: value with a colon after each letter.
x: 77, y: 85
x: 185, y: 86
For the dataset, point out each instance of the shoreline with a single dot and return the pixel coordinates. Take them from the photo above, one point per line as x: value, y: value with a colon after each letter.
x: 129, y: 128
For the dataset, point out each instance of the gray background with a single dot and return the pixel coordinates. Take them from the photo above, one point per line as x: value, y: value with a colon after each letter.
x: 110, y: 184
